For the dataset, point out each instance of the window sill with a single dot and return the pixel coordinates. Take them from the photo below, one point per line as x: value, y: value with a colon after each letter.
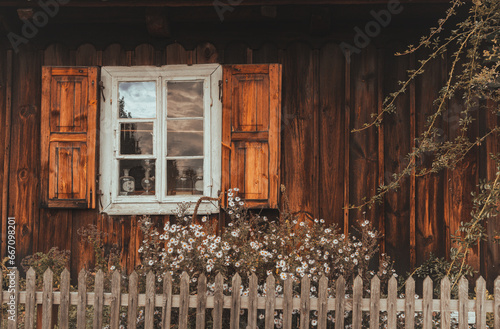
x: 155, y: 208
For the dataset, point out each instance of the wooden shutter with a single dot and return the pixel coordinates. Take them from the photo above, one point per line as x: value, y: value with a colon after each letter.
x: 69, y: 123
x: 251, y: 132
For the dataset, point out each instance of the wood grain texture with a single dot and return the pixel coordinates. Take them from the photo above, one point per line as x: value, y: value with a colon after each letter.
x: 65, y: 302
x: 82, y: 300
x: 445, y: 302
x: 201, y: 302
x: 132, y: 300
x: 116, y: 294
x: 374, y: 303
x: 166, y: 314
x: 184, y: 301
x: 98, y: 300
x: 363, y: 148
x: 429, y: 191
x: 410, y: 303
x: 331, y: 134
x: 298, y: 159
x: 397, y: 140
x: 270, y: 302
x: 149, y: 309
x: 30, y: 299
x: 48, y: 299
x: 234, y: 319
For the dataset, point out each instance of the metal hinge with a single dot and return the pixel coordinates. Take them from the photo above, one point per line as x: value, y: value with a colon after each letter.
x: 101, y: 87
x: 220, y: 90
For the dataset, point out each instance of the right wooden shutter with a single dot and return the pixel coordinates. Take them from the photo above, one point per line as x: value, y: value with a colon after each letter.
x: 251, y: 132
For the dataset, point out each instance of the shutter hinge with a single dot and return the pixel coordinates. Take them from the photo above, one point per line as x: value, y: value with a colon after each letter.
x: 220, y: 90
x: 101, y: 87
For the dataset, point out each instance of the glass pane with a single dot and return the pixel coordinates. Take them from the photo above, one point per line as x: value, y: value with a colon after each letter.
x: 136, y: 138
x: 185, y: 177
x: 137, y: 177
x: 184, y: 99
x: 184, y: 138
x: 137, y: 99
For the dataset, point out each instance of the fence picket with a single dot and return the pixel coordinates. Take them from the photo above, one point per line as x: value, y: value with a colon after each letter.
x: 184, y: 301
x: 357, y: 314
x: 98, y: 299
x: 234, y: 322
x: 48, y: 299
x: 463, y: 299
x: 410, y: 304
x: 30, y: 298
x: 374, y: 302
x: 392, y: 299
x: 132, y: 301
x: 445, y: 303
x: 496, y: 306
x: 82, y: 299
x: 427, y: 304
x: 270, y: 301
x: 287, y: 303
x: 480, y: 301
x: 201, y: 302
x: 218, y: 301
x: 166, y: 314
x: 14, y: 294
x: 252, y: 302
x: 116, y: 294
x: 305, y: 302
x: 149, y: 309
x: 64, y: 304
x: 339, y: 302
x: 323, y: 302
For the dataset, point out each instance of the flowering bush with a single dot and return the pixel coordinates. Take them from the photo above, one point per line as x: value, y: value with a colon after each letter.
x: 252, y: 243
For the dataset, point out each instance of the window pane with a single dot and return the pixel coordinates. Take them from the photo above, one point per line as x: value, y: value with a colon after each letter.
x: 185, y: 177
x: 184, y: 138
x: 137, y: 177
x: 136, y: 138
x: 184, y: 99
x: 137, y: 99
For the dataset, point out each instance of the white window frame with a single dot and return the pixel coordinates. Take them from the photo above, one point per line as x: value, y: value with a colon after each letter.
x: 113, y: 204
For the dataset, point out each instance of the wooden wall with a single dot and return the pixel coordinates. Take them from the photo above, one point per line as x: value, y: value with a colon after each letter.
x: 324, y: 166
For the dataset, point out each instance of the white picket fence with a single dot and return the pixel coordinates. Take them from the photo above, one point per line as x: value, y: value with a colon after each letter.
x: 217, y: 301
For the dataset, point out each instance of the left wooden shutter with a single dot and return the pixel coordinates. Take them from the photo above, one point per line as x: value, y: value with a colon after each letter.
x: 68, y: 142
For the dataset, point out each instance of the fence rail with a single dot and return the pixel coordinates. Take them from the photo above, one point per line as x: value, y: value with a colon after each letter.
x: 217, y: 302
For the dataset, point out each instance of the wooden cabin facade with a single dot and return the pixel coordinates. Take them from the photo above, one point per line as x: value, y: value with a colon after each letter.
x: 319, y: 92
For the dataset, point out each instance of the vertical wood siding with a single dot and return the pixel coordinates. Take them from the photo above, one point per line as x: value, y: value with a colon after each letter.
x: 323, y: 167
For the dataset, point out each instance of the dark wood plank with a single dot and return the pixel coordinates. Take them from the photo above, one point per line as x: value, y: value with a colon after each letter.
x: 86, y: 55
x: 331, y: 134
x: 114, y: 55
x: 206, y: 53
x: 397, y: 141
x: 298, y: 134
x: 363, y: 145
x: 430, y: 228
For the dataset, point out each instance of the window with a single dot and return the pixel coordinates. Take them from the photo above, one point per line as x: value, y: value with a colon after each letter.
x: 160, y: 138
x: 163, y: 135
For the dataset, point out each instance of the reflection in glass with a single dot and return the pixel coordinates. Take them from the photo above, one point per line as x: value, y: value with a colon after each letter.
x: 185, y: 177
x: 184, y: 99
x: 136, y: 138
x: 143, y: 174
x: 184, y: 138
x: 137, y: 99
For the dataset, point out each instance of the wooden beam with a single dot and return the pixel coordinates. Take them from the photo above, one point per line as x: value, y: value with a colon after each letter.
x: 157, y: 23
x: 206, y: 3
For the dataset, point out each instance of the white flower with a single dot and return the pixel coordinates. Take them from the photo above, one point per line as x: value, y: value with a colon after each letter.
x: 151, y: 262
x: 283, y: 276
